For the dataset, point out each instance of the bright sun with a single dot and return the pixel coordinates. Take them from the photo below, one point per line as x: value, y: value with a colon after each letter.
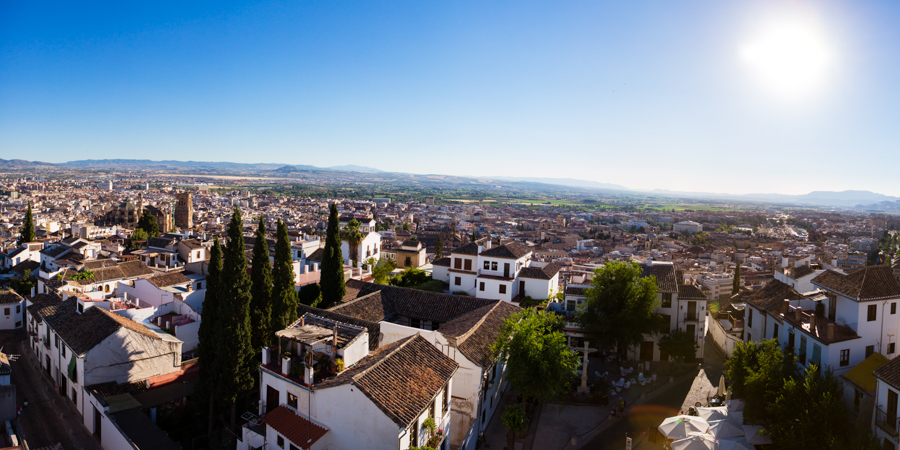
x: 790, y: 56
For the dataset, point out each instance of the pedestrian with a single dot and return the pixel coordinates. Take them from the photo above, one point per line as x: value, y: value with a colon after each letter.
x: 622, y: 404
x: 612, y: 414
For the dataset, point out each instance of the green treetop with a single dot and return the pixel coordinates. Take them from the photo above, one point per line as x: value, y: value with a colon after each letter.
x: 27, y: 234
x: 332, y: 277
x: 148, y: 223
x: 208, y: 332
x: 284, y: 297
x: 261, y: 290
x: 736, y: 284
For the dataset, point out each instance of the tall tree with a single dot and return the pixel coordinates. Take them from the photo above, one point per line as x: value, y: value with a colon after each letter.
x: 134, y: 241
x: 539, y: 364
x: 736, y: 284
x: 208, y: 332
x: 148, y: 223
x: 234, y: 335
x: 620, y: 306
x: 474, y: 236
x: 354, y: 237
x: 27, y: 233
x: 438, y: 248
x: 284, y: 296
x: 757, y: 371
x: 261, y: 290
x: 332, y: 278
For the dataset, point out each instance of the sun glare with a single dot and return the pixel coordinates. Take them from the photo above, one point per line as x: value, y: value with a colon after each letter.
x: 791, y: 57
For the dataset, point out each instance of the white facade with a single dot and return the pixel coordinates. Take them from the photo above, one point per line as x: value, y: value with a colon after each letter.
x: 369, y: 247
x: 687, y: 227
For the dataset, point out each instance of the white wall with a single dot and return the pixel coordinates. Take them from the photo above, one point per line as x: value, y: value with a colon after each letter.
x: 15, y: 318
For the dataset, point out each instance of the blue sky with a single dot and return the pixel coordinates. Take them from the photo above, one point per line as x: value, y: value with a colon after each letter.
x: 647, y: 95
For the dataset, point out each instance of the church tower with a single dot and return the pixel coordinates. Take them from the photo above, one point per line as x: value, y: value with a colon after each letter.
x: 184, y: 211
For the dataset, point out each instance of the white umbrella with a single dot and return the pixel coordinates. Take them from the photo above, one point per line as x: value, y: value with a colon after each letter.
x: 737, y: 417
x: 696, y: 442
x: 713, y: 413
x: 735, y: 444
x: 735, y: 405
x: 681, y: 426
x: 721, y: 390
x: 724, y: 429
x: 753, y: 436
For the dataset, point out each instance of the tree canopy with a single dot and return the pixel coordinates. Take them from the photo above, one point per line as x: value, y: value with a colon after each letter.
x: 284, y: 296
x: 381, y: 269
x: 148, y: 223
x: 678, y: 344
x: 620, y: 306
x: 736, y: 283
x: 757, y: 371
x: 439, y: 248
x: 261, y: 290
x: 137, y: 236
x: 27, y: 233
x: 331, y: 280
x: 208, y: 345
x: 540, y: 366
x: 353, y: 235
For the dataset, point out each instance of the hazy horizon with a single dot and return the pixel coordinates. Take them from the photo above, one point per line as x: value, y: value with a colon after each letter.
x: 724, y: 97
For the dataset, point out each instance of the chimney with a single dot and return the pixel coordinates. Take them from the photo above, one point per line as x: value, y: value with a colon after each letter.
x: 812, y: 323
x: 308, y: 377
x: 265, y: 356
x: 285, y: 365
x: 831, y: 331
x: 334, y: 338
x: 487, y: 244
x: 787, y: 307
x: 33, y: 293
x: 303, y: 321
x: 799, y: 314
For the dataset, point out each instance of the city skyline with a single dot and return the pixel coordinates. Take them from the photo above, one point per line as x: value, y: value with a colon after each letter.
x: 703, y: 97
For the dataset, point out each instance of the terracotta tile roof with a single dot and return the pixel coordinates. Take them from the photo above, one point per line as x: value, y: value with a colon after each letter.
x: 445, y: 262
x: 802, y: 271
x: 867, y: 283
x: 317, y: 255
x: 168, y: 279
x: 29, y: 265
x: 468, y: 249
x: 401, y: 378
x: 83, y: 331
x: 369, y: 307
x: 541, y: 273
x: 294, y: 426
x: 475, y: 332
x: 111, y: 388
x: 99, y: 264
x: 513, y: 250
x: 890, y: 373
x: 135, y: 268
x: 689, y: 291
x: 576, y: 291
x: 772, y: 296
x: 418, y: 304
x: 665, y: 277
x: 9, y: 296
x: 192, y: 244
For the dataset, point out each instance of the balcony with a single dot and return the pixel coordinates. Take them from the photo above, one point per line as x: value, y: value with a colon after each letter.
x: 887, y: 422
x: 692, y: 316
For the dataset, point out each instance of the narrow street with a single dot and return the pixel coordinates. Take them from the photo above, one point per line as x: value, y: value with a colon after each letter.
x: 40, y: 421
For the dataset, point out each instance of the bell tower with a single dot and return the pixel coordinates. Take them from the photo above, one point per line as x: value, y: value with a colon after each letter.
x: 184, y: 211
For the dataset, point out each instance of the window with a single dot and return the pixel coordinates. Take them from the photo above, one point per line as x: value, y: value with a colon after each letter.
x: 481, y: 286
x: 749, y: 338
x: 457, y: 263
x: 56, y: 341
x: 431, y: 408
x: 63, y: 351
x: 446, y: 408
x: 749, y: 318
x: 458, y: 281
x: 775, y: 332
x: 845, y: 357
x: 469, y: 264
x: 74, y: 396
x: 415, y: 323
x: 414, y: 434
x: 18, y: 309
x: 869, y: 350
x: 294, y: 447
x: 570, y: 305
x: 487, y: 265
x: 893, y: 308
x: 408, y: 262
x: 667, y: 300
x: 891, y: 348
x: 6, y: 311
x: 816, y: 356
x: 292, y: 400
x: 494, y: 265
x: 802, y: 357
x: 873, y: 311
x: 280, y: 442
x: 502, y: 288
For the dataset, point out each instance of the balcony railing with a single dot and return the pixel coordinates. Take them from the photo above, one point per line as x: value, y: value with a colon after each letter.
x: 887, y: 422
x: 692, y: 316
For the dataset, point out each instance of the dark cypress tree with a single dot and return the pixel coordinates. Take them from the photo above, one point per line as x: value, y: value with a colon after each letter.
x: 474, y: 236
x: 234, y: 334
x: 736, y: 284
x: 148, y: 223
x: 439, y: 248
x: 332, y: 278
x: 208, y: 333
x: 261, y: 277
x: 27, y: 234
x: 284, y: 297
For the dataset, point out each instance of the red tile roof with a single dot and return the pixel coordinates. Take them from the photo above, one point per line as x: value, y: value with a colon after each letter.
x: 296, y: 428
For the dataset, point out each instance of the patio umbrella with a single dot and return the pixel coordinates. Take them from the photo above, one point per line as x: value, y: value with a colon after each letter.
x: 735, y: 444
x: 713, y: 413
x: 721, y: 385
x: 735, y: 405
x: 753, y: 436
x: 736, y: 417
x: 696, y: 441
x: 681, y: 426
x: 725, y: 429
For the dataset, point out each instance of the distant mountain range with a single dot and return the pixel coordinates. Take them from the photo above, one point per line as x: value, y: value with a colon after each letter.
x: 862, y: 200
